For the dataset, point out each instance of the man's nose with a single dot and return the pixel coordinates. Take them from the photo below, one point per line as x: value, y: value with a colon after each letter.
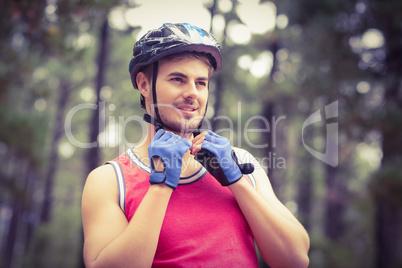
x: 191, y: 91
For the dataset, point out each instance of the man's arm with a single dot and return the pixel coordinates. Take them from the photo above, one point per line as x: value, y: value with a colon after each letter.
x: 110, y: 241
x: 281, y: 239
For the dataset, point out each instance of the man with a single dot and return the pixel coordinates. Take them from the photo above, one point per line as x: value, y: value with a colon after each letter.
x: 157, y: 205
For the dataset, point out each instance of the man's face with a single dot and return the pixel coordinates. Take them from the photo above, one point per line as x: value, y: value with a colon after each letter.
x: 182, y: 93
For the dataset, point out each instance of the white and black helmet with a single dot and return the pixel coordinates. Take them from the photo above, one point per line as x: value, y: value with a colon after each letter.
x: 171, y: 39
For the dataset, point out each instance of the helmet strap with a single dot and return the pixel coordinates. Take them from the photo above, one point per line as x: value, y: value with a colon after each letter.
x: 155, y: 100
x: 149, y: 119
x: 142, y: 102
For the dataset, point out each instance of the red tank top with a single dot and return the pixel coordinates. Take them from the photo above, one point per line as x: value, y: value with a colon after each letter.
x: 203, y: 225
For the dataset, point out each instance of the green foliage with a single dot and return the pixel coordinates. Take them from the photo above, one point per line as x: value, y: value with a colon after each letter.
x: 25, y: 133
x: 56, y: 244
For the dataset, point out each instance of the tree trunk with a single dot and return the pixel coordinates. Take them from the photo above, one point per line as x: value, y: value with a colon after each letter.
x: 12, y: 235
x: 305, y: 193
x: 218, y: 100
x: 334, y: 206
x: 218, y: 79
x: 268, y: 112
x: 388, y: 223
x: 19, y: 229
x: 388, y: 217
x: 96, y: 123
x: 93, y: 157
x: 58, y: 130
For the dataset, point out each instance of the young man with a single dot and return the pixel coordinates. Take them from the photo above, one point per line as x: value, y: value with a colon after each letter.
x: 156, y: 205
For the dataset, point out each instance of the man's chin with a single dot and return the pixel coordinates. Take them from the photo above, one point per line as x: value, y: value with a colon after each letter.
x: 180, y: 128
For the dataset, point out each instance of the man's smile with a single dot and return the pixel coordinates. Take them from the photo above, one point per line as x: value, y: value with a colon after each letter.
x: 187, y: 108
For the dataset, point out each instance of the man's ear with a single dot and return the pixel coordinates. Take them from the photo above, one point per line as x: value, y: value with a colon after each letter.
x: 143, y: 84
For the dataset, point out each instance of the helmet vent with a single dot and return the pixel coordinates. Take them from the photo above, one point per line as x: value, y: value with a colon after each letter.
x: 152, y: 42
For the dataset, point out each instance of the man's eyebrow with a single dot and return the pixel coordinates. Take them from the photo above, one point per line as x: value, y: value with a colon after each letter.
x: 203, y: 78
x: 178, y: 74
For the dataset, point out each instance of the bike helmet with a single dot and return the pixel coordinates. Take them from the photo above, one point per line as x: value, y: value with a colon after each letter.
x: 171, y: 39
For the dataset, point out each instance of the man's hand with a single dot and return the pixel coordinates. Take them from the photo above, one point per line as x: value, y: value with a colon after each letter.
x: 217, y: 156
x: 169, y: 149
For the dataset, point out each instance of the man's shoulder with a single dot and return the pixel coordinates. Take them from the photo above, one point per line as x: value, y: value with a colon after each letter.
x: 102, y: 173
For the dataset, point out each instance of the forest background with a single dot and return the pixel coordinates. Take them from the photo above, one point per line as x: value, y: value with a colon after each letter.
x: 311, y: 88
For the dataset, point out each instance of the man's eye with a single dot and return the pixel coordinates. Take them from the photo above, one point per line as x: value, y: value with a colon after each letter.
x: 201, y: 83
x: 177, y: 79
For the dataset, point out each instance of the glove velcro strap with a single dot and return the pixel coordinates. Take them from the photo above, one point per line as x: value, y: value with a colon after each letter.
x: 160, y: 177
x: 157, y: 177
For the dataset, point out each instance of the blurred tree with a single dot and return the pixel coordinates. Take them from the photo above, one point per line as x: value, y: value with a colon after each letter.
x: 386, y: 184
x: 318, y: 37
x: 219, y: 80
x: 97, y: 122
x: 22, y: 126
x: 94, y: 154
x: 39, y: 40
x: 268, y: 111
x: 343, y: 59
x: 58, y: 131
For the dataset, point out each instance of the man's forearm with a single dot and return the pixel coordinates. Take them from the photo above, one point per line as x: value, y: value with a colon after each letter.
x: 281, y: 241
x: 136, y: 245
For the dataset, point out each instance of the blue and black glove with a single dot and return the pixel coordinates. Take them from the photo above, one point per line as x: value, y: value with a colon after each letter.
x: 170, y: 149
x: 218, y: 157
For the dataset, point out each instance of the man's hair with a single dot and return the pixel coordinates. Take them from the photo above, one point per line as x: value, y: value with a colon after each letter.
x: 204, y: 57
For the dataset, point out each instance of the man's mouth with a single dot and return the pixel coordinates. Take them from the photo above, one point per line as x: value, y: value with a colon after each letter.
x: 187, y: 108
